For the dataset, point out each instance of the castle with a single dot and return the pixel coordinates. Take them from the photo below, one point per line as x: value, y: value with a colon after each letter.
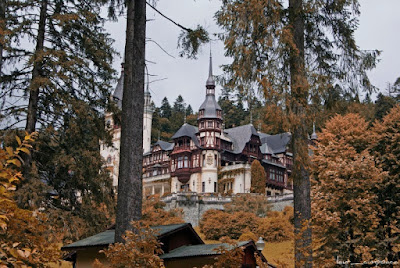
x: 206, y: 158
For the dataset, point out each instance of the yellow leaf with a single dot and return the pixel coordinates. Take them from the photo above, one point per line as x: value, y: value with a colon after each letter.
x: 15, y: 162
x: 25, y: 150
x: 18, y: 140
x: 10, y: 151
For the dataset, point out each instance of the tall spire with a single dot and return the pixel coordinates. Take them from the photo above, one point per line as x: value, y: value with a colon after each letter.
x: 210, y: 73
x: 210, y: 84
x: 314, y: 135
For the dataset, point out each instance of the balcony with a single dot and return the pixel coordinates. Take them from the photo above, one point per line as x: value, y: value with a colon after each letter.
x: 181, y: 149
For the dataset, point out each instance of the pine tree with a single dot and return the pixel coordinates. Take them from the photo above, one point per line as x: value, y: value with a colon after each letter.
x: 66, y: 78
x: 129, y: 203
x: 285, y: 52
x: 189, y: 110
x: 166, y: 110
x: 383, y: 104
x: 179, y: 105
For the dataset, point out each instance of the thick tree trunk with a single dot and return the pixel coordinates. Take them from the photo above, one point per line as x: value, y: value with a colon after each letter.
x: 2, y: 28
x: 301, y: 178
x: 129, y: 204
x: 34, y: 88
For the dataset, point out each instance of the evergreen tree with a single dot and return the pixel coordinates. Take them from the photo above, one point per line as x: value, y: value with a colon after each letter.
x: 285, y: 51
x: 166, y: 110
x: 66, y: 77
x: 383, y: 104
x: 130, y: 190
x: 189, y: 110
x: 179, y: 105
x: 178, y: 114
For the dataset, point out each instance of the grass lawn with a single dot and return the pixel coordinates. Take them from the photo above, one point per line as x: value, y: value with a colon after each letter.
x: 279, y: 254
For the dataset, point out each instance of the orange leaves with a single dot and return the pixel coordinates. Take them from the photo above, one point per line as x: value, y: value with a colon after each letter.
x: 141, y: 249
x: 153, y: 212
x: 345, y: 205
x: 276, y: 226
x: 258, y: 178
x: 23, y: 242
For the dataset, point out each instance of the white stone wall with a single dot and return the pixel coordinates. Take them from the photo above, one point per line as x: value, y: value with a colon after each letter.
x: 242, y: 181
x: 147, y: 120
x: 209, y: 172
x: 111, y: 154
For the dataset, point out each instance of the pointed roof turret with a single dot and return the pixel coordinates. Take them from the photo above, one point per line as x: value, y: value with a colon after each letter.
x: 210, y: 107
x: 314, y: 135
x: 210, y: 81
x: 118, y: 91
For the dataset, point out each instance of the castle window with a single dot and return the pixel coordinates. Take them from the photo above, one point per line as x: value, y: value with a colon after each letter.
x: 272, y: 174
x: 186, y: 162
x: 109, y: 160
x: 202, y: 125
x: 180, y: 162
x: 210, y: 123
x: 108, y: 123
x: 203, y: 186
x: 215, y: 187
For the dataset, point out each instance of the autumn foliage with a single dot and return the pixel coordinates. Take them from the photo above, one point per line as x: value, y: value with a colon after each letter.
x: 351, y: 219
x: 153, y: 212
x: 258, y: 178
x: 254, y: 203
x: 24, y: 236
x: 141, y: 249
x: 275, y: 227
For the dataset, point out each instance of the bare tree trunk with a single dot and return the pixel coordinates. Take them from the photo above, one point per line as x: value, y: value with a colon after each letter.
x: 34, y: 88
x: 129, y: 204
x: 301, y: 178
x: 2, y: 28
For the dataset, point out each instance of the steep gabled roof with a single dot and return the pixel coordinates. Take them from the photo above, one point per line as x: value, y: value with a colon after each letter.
x: 165, y: 146
x: 269, y: 162
x: 274, y: 144
x: 187, y: 130
x: 278, y: 143
x: 240, y: 136
x: 118, y: 92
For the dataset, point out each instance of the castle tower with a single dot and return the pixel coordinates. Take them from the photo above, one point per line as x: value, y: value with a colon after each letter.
x: 209, y: 133
x: 147, y: 120
x: 111, y: 154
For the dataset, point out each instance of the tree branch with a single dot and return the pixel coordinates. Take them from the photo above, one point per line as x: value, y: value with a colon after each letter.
x: 177, y: 24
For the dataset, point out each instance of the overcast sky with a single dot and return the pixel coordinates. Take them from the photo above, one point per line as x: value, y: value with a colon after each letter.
x: 379, y: 29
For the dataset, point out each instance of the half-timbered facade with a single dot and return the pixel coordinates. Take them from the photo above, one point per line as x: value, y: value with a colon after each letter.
x: 210, y: 159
